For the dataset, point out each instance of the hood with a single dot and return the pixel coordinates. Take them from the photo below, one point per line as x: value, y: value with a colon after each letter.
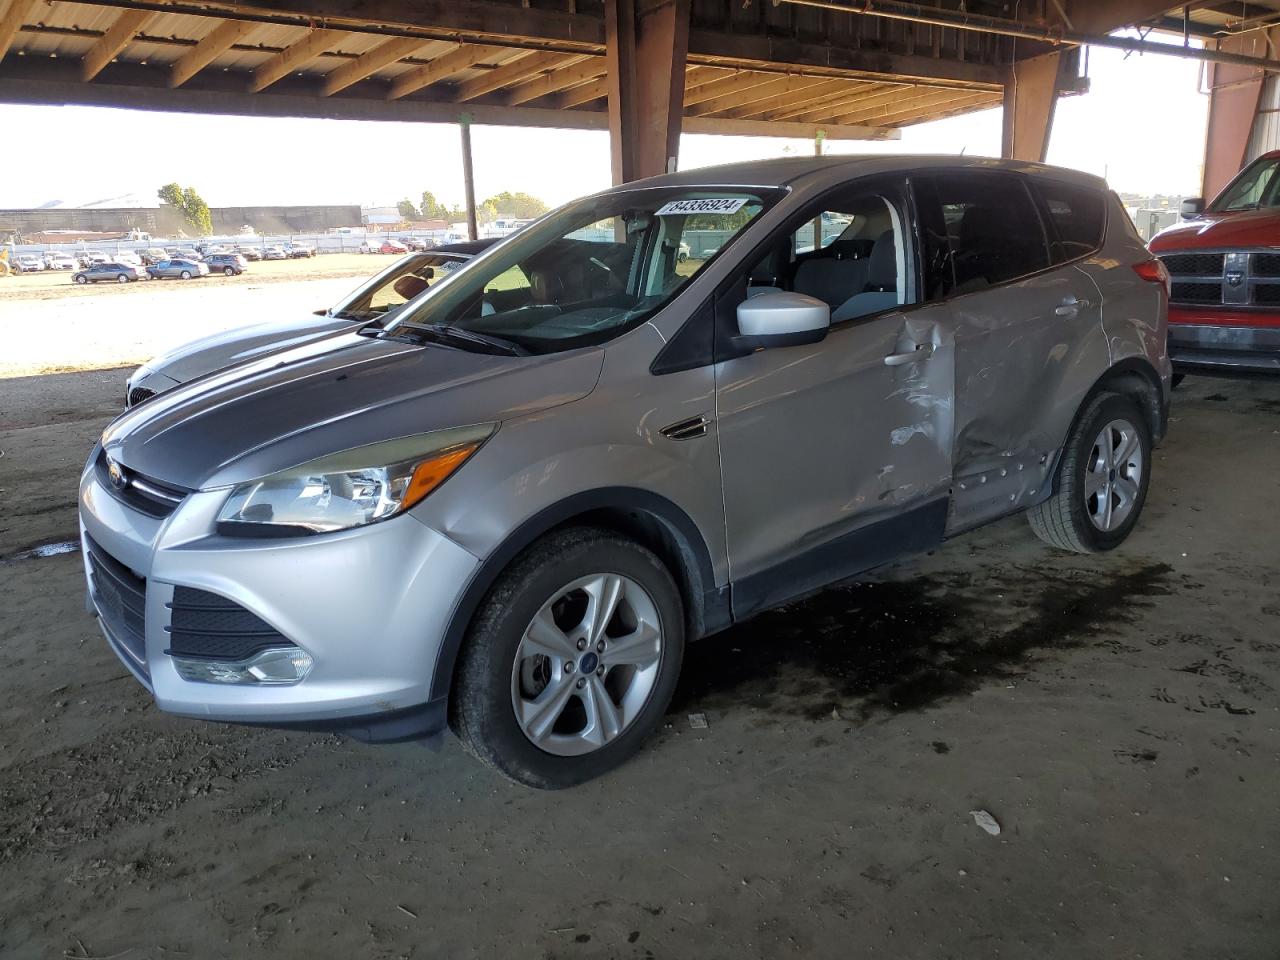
x: 1222, y: 231
x: 330, y: 395
x: 208, y: 354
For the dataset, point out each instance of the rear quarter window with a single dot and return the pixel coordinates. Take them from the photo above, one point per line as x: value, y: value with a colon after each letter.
x: 1076, y: 218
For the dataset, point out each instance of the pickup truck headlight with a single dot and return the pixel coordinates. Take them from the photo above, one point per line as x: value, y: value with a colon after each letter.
x: 349, y: 489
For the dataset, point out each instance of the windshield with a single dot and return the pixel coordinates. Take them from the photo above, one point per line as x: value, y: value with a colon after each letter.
x: 396, y: 285
x: 589, y: 271
x: 1258, y: 186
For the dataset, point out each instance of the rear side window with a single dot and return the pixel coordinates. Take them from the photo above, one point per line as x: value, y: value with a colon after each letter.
x: 984, y: 230
x: 1076, y: 218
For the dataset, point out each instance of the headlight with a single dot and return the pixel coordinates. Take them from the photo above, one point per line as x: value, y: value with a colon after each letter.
x: 351, y: 488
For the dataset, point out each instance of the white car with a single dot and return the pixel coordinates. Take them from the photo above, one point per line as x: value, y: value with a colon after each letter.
x: 274, y: 253
x: 59, y: 261
x: 29, y: 264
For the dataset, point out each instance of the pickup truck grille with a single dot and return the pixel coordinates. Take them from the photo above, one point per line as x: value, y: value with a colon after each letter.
x: 1230, y: 278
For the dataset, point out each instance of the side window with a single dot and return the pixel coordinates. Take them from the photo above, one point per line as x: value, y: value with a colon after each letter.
x: 1076, y: 215
x: 992, y: 229
x: 851, y: 254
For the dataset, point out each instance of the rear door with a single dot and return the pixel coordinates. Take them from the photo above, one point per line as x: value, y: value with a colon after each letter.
x: 1027, y: 332
x: 835, y: 456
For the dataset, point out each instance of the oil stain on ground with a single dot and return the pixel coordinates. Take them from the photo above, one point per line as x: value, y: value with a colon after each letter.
x: 877, y: 647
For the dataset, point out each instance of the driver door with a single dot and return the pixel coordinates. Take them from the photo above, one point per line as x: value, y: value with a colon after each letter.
x: 836, y: 456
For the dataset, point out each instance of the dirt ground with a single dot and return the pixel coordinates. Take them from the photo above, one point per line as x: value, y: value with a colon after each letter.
x: 1117, y: 715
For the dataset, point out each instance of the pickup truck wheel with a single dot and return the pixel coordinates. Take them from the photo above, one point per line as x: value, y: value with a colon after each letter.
x: 1102, y: 479
x: 570, y: 661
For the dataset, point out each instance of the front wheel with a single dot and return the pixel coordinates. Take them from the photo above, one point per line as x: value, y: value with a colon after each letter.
x: 1102, y: 479
x: 570, y: 661
x: 80, y: 278
x: 229, y: 271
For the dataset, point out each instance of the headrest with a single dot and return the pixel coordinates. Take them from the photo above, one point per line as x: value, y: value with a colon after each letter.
x: 882, y: 271
x: 409, y: 286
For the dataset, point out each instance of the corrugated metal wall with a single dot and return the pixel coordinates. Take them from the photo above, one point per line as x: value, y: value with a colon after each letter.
x: 1266, y: 124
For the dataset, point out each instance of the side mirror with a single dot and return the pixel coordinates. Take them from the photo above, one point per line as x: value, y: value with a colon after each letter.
x: 1192, y: 208
x: 781, y: 319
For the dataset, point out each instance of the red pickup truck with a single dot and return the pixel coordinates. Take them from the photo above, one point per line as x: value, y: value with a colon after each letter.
x: 1224, y: 303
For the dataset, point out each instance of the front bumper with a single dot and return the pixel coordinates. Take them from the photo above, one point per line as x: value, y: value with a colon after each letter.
x: 1252, y: 348
x: 370, y: 605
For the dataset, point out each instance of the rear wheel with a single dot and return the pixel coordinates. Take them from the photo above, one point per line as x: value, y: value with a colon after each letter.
x: 186, y: 274
x: 1102, y: 479
x: 122, y: 278
x: 571, y: 660
x: 229, y: 271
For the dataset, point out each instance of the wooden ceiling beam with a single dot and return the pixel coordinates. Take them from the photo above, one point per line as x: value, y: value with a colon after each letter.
x: 117, y: 36
x: 370, y: 62
x: 867, y: 101
x: 461, y: 57
x: 815, y: 91
x: 586, y: 93
x: 941, y: 108
x: 12, y: 15
x: 510, y: 73
x: 849, y: 91
x: 574, y: 73
x: 773, y: 91
x: 217, y: 41
x: 297, y: 54
x: 738, y: 82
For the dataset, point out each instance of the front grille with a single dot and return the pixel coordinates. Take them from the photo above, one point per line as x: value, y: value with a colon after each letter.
x: 143, y: 494
x: 1267, y: 294
x: 120, y: 597
x: 207, y: 626
x: 138, y: 394
x: 1191, y: 292
x: 1194, y: 264
x: 1265, y: 265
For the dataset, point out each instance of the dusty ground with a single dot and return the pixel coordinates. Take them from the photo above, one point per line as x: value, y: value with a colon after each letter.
x: 1117, y: 715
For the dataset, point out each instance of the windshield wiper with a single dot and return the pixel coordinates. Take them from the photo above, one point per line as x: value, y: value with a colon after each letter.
x: 444, y: 333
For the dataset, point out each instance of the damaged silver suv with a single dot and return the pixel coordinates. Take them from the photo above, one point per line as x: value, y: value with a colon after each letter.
x: 647, y: 416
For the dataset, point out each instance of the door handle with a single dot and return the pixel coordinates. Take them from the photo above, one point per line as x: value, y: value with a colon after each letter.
x: 1070, y: 307
x: 923, y: 351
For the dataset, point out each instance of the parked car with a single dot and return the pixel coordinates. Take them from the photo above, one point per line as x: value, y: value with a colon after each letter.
x: 373, y: 302
x: 180, y: 269
x: 420, y: 243
x: 59, y: 261
x: 118, y: 272
x: 29, y: 263
x: 299, y: 251
x: 153, y: 255
x: 250, y: 253
x: 231, y: 264
x: 187, y: 253
x: 566, y: 461
x: 1224, y: 305
x: 274, y: 253
x: 383, y: 246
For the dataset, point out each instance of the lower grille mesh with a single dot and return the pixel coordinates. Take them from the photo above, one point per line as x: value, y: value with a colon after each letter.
x: 121, y: 600
x: 210, y: 627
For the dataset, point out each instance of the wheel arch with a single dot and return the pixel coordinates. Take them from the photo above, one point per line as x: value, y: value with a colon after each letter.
x: 646, y: 517
x: 1133, y: 377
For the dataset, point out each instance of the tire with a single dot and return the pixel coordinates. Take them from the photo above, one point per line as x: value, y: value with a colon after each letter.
x: 1073, y: 519
x: 229, y: 271
x: 495, y: 668
x: 186, y: 274
x: 122, y: 278
x: 80, y: 278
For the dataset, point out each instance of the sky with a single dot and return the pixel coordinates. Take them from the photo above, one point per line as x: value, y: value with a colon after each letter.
x: 1142, y: 125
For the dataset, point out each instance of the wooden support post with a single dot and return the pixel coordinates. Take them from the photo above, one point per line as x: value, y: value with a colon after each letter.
x: 468, y: 177
x: 1030, y: 93
x: 646, y: 51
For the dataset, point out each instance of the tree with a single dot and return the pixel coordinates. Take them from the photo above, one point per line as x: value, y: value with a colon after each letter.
x: 407, y: 210
x: 518, y: 206
x: 190, y: 204
x: 433, y: 209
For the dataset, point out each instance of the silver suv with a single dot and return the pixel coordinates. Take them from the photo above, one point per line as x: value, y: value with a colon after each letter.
x: 509, y: 510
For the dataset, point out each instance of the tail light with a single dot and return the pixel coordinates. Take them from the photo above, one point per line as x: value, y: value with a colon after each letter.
x: 1153, y: 271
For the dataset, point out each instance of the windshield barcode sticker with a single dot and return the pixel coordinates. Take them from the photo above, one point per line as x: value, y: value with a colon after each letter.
x: 722, y: 205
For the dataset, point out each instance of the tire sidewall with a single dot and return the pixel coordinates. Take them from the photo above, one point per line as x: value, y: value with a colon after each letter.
x: 499, y: 628
x: 1101, y: 412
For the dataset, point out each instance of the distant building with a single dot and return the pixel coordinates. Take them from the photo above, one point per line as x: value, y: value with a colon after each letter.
x: 165, y: 221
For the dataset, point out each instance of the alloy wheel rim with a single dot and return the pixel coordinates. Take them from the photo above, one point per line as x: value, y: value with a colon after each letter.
x: 587, y: 664
x: 1113, y: 475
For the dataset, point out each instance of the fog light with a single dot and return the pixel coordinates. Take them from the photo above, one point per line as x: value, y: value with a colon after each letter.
x: 274, y: 665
